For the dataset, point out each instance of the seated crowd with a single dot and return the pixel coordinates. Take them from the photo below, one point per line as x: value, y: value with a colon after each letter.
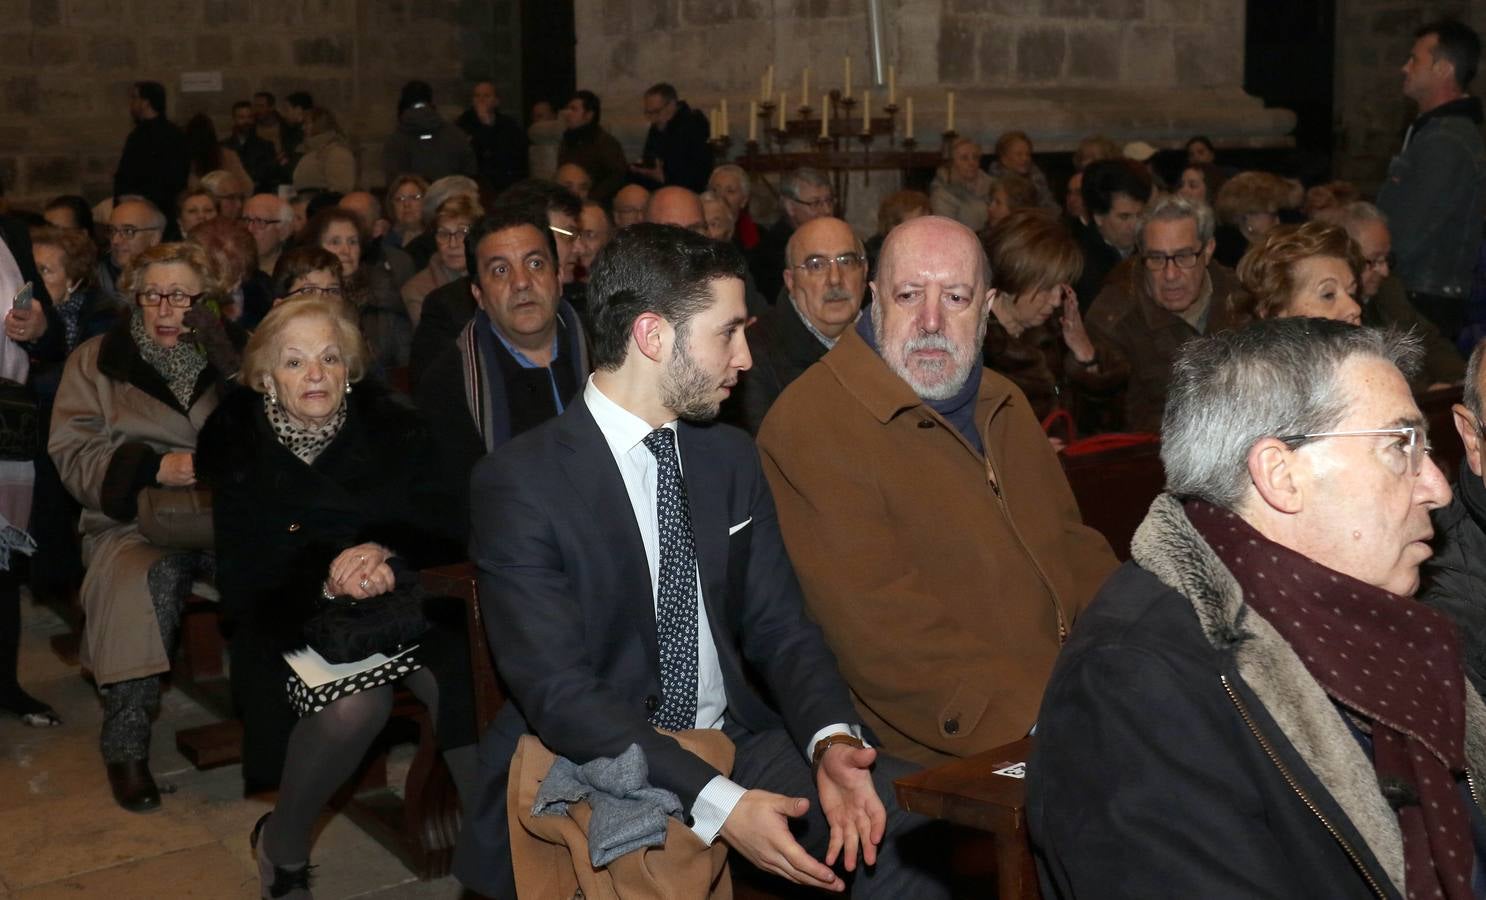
x: 881, y: 568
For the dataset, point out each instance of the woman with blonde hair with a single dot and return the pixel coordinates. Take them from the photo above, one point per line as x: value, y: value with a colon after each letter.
x: 1303, y: 270
x: 327, y: 163
x: 127, y: 413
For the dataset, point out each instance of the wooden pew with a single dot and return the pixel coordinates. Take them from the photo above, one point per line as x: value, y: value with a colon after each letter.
x: 984, y: 792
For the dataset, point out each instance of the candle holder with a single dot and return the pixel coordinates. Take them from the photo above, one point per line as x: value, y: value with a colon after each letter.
x: 823, y: 142
x: 909, y: 144
x: 865, y: 138
x: 849, y: 103
x: 805, y: 112
x: 766, y: 108
x: 751, y: 148
x: 949, y: 137
x: 720, y: 145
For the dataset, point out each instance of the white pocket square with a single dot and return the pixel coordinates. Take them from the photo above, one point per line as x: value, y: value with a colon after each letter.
x: 740, y: 526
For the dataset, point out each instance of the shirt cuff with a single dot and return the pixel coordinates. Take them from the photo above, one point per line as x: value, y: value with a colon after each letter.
x: 839, y: 728
x: 712, y: 807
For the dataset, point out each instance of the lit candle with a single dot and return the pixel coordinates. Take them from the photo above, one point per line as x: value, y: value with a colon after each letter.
x: 867, y: 112
x: 846, y: 77
x: 892, y: 86
x: 752, y: 121
x: 949, y: 116
x: 909, y: 113
x: 825, y: 119
x: 723, y: 128
x: 805, y: 87
x: 782, y: 106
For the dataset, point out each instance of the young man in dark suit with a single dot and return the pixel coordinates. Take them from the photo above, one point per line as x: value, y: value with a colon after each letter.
x: 631, y: 571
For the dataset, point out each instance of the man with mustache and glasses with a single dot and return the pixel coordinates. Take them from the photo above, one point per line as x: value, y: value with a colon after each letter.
x: 639, y: 595
x: 936, y: 539
x: 519, y: 360
x: 824, y: 284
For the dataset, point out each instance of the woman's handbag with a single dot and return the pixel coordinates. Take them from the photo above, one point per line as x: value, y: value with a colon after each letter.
x: 344, y: 630
x: 176, y: 518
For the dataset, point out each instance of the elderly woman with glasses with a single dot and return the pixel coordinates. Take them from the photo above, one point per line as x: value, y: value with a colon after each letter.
x: 1303, y: 270
x: 307, y: 273
x: 307, y: 441
x: 127, y: 413
x: 451, y: 223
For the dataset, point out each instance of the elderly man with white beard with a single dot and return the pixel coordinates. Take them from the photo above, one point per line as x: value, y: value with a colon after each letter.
x: 935, y: 537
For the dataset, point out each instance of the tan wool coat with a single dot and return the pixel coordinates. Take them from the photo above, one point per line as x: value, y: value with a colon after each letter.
x: 113, y: 420
x: 945, y: 581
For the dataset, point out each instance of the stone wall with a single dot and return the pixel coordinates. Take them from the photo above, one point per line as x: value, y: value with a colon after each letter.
x: 1160, y: 70
x: 66, y: 66
x: 1373, y: 38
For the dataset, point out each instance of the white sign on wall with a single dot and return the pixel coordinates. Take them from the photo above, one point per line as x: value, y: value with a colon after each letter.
x: 201, y: 82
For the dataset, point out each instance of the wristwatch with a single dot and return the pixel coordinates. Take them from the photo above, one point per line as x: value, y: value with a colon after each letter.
x: 830, y: 740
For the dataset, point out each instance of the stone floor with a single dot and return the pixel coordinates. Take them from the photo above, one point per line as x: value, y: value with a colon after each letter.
x: 61, y: 835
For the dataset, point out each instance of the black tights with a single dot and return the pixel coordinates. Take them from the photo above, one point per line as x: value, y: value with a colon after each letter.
x: 11, y: 695
x: 326, y: 747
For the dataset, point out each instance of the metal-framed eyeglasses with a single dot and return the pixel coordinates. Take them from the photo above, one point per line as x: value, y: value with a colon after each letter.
x: 820, y: 265
x: 826, y: 204
x: 309, y: 291
x: 1408, y: 451
x: 177, y: 299
x: 452, y: 235
x: 128, y: 232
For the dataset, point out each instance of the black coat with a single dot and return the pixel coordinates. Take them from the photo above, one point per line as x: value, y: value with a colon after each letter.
x: 782, y: 349
x: 279, y: 524
x: 259, y: 161
x: 1177, y: 736
x: 768, y: 257
x: 681, y: 149
x: 500, y: 149
x: 154, y: 164
x: 1099, y: 260
x: 445, y: 311
x: 1455, y: 577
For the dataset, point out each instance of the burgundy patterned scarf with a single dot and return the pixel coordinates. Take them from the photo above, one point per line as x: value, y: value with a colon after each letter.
x: 1392, y: 662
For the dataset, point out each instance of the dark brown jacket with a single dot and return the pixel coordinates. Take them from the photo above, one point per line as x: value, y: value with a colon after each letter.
x: 945, y: 580
x: 1137, y: 340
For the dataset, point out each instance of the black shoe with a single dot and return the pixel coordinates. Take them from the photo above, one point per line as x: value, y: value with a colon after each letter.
x: 133, y: 786
x: 28, y: 709
x: 275, y: 881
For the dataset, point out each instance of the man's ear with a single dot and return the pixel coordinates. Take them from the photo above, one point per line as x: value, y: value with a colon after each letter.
x: 1207, y: 252
x: 648, y: 333
x: 1276, y: 473
x: 991, y: 294
x: 789, y: 279
x: 1470, y: 435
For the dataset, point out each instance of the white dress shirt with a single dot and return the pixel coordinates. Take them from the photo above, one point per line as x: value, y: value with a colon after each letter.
x: 625, y: 434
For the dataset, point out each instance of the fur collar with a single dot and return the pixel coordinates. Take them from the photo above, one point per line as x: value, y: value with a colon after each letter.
x: 1170, y: 548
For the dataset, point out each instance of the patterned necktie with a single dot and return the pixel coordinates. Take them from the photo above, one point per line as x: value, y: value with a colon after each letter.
x: 676, y: 597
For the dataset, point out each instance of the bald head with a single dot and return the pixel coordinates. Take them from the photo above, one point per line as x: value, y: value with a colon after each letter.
x: 826, y: 274
x: 366, y: 207
x: 906, y: 245
x: 629, y: 205
x: 673, y: 205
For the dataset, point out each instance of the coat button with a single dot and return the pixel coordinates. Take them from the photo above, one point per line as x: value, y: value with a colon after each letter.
x: 293, y: 527
x: 926, y: 423
x: 652, y: 703
x: 951, y: 726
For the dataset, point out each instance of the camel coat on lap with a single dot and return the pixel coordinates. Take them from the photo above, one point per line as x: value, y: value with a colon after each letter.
x: 945, y: 581
x: 114, y: 419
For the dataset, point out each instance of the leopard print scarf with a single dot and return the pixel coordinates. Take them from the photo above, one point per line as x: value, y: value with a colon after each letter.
x: 305, y: 443
x: 180, y: 365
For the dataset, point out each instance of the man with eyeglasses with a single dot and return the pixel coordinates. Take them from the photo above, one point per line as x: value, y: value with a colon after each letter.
x: 270, y: 220
x: 825, y: 283
x: 1385, y: 299
x: 1168, y: 292
x: 1454, y: 576
x: 806, y: 194
x: 134, y: 226
x: 1255, y: 705
x: 934, y: 533
x: 676, y: 150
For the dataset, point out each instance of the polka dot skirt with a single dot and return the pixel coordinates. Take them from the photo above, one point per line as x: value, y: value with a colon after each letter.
x: 307, y: 700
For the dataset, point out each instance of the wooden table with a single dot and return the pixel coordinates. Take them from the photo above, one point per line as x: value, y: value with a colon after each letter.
x: 971, y: 792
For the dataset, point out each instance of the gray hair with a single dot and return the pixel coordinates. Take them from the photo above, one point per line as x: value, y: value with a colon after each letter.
x: 1358, y: 213
x: 732, y: 169
x: 1173, y: 208
x: 157, y: 218
x: 791, y: 183
x: 1276, y: 377
x: 1472, y: 396
x: 441, y: 190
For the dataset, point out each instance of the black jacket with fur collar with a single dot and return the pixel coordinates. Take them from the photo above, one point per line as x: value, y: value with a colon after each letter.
x: 1183, y: 750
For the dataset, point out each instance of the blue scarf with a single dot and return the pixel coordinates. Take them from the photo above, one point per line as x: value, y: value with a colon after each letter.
x: 958, y: 410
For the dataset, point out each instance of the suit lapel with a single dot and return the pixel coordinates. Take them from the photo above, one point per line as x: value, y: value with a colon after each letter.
x: 709, y: 519
x: 590, y: 468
